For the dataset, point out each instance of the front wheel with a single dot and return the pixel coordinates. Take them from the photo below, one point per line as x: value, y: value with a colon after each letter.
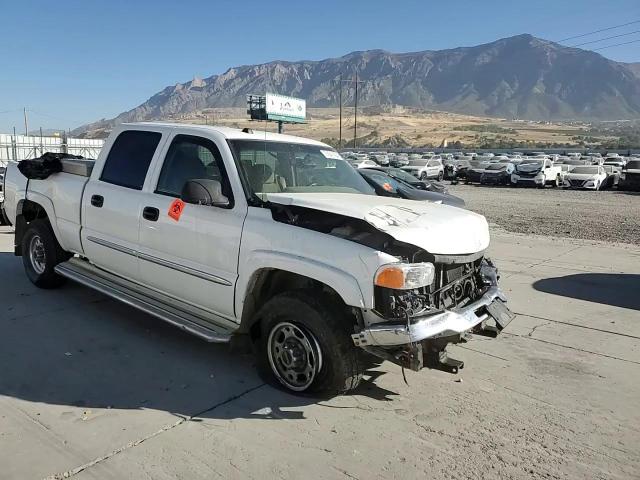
x: 305, y: 344
x: 41, y: 252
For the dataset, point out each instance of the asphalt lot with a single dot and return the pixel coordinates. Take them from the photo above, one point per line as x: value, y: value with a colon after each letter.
x: 93, y: 389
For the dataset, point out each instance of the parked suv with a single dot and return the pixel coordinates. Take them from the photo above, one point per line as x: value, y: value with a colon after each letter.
x: 426, y: 168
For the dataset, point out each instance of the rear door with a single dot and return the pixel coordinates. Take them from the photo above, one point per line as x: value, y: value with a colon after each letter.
x: 111, y: 203
x: 193, y: 255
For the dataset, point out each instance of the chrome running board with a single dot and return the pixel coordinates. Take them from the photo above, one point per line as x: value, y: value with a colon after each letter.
x: 144, y: 299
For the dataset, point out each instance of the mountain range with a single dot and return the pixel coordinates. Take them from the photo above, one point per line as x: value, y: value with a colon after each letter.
x: 517, y: 77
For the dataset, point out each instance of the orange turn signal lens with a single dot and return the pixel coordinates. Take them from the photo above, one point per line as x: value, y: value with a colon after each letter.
x: 390, y: 277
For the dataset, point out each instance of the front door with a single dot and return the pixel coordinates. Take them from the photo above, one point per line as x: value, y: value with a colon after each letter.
x: 190, y: 252
x: 111, y: 203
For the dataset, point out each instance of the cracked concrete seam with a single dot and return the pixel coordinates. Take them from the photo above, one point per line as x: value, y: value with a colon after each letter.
x: 166, y: 428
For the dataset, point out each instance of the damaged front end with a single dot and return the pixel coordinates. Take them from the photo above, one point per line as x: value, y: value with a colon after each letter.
x: 422, y: 302
x: 413, y: 327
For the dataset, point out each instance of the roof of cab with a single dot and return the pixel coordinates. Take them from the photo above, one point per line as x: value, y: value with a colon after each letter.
x: 227, y: 132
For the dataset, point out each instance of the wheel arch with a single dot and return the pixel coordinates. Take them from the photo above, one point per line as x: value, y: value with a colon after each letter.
x: 29, y: 210
x: 268, y: 281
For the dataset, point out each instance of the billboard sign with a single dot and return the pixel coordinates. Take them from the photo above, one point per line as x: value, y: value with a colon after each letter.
x: 285, y: 109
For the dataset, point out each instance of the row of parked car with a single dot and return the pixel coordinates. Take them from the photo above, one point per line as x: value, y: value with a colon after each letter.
x: 592, y: 171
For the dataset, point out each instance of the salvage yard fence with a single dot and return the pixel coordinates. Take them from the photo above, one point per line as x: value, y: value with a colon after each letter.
x: 23, y: 147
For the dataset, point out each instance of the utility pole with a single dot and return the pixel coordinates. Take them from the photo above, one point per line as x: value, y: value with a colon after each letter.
x: 355, y: 116
x: 355, y: 127
x: 340, y: 137
x: 26, y: 122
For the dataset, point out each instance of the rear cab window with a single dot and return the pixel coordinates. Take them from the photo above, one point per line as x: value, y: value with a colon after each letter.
x: 129, y: 158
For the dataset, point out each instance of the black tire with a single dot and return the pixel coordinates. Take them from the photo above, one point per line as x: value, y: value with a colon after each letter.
x: 440, y: 176
x: 40, y: 270
x: 339, y: 363
x: 423, y: 176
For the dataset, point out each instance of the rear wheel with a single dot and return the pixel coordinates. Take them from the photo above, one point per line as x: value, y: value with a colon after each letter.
x: 41, y: 252
x: 305, y: 344
x: 440, y: 176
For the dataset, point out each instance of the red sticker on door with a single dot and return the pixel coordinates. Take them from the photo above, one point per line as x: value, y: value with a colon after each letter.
x: 176, y: 208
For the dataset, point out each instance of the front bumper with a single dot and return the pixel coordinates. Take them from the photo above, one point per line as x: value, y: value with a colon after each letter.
x: 442, y: 324
x: 531, y: 180
x: 581, y: 186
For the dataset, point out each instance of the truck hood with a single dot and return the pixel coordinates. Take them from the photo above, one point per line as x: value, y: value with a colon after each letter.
x: 438, y: 229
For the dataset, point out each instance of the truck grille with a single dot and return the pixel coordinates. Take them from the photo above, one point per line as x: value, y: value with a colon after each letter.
x: 527, y: 174
x: 454, y: 285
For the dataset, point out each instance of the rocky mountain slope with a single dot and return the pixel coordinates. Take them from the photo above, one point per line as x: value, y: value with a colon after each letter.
x: 517, y: 77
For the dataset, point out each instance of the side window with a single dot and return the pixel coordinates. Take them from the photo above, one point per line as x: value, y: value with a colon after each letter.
x: 189, y: 158
x: 129, y: 158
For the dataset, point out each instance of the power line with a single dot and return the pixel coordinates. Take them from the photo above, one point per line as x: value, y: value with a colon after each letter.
x: 598, y: 31
x: 605, y: 38
x: 616, y: 45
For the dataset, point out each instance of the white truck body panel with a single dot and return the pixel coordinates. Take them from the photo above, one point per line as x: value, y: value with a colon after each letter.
x: 439, y: 229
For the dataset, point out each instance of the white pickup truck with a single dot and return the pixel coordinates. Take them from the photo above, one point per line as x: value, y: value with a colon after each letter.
x: 264, y: 240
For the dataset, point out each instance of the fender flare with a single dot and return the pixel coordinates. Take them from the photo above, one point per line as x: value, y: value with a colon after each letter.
x: 47, y: 205
x: 343, y: 283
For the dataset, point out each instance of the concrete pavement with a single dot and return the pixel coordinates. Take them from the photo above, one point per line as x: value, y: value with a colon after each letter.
x: 93, y: 389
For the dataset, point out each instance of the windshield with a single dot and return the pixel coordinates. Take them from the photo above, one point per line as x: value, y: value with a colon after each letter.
x: 418, y: 163
x: 401, y: 175
x: 633, y: 165
x: 382, y: 180
x: 529, y: 164
x: 275, y: 167
x: 585, y: 170
x: 496, y: 166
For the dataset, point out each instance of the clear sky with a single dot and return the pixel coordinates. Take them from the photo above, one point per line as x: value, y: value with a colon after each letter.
x: 75, y: 61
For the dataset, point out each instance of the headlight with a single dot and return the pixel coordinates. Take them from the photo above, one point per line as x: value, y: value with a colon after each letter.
x: 405, y: 276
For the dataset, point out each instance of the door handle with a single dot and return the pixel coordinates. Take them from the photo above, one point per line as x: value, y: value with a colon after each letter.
x: 150, y: 213
x: 97, y: 200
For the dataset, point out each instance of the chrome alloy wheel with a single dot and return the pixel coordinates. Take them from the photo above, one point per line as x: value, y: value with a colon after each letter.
x: 37, y: 255
x: 294, y: 356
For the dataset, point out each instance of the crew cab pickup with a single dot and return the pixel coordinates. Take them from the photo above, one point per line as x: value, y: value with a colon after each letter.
x: 265, y: 241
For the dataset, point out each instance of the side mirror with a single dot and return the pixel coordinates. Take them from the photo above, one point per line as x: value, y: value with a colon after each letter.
x: 203, y: 191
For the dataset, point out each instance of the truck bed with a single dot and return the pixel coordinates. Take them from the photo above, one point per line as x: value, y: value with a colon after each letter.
x: 60, y: 194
